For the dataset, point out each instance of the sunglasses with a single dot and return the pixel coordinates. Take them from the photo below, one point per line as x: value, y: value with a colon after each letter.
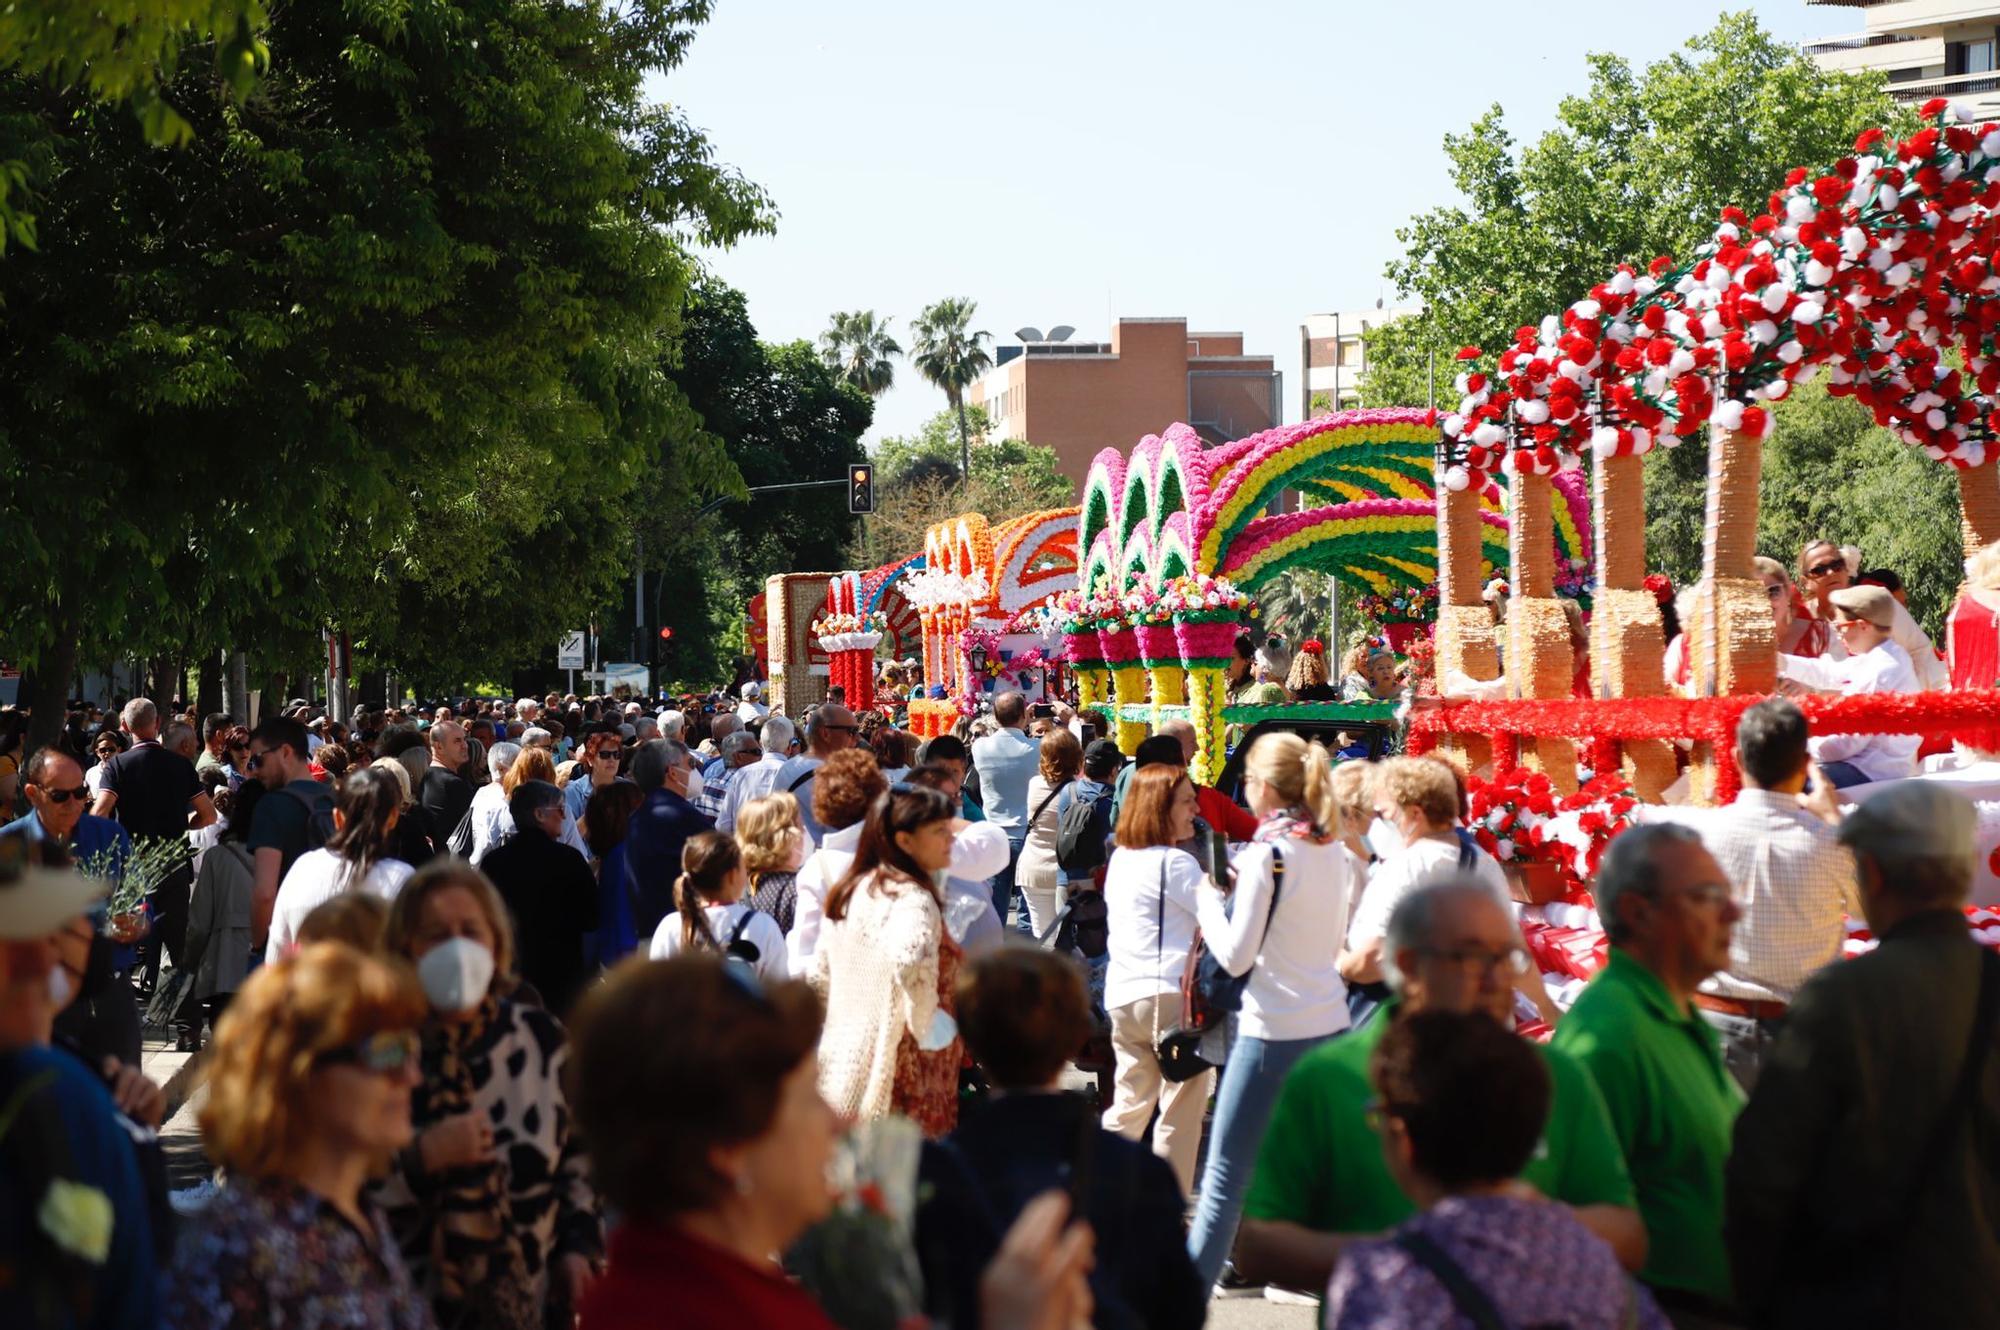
x: 610, y: 754
x: 383, y: 1053
x: 60, y: 797
x: 1822, y: 569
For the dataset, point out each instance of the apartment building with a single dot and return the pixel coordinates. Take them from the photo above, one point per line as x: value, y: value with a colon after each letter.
x: 1333, y: 355
x: 1081, y: 397
x: 1925, y: 48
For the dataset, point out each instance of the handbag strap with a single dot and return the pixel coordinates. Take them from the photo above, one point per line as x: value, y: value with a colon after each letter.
x: 1472, y: 1301
x: 1043, y: 807
x: 1160, y: 949
x: 1277, y: 891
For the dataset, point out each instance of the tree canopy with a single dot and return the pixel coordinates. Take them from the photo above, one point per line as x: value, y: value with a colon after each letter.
x: 1640, y: 165
x: 384, y: 340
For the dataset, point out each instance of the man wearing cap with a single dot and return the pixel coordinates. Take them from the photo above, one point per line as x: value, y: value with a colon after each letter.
x: 752, y: 710
x: 1863, y: 619
x: 73, y: 1208
x: 1863, y: 1183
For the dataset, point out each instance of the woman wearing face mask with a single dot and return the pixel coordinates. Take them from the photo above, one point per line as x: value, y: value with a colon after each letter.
x: 308, y: 1091
x: 491, y: 1202
x: 356, y: 857
x: 886, y: 967
x: 712, y: 914
x: 1416, y: 833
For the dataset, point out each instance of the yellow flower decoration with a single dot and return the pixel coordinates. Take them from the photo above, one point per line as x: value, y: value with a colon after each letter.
x: 78, y: 1218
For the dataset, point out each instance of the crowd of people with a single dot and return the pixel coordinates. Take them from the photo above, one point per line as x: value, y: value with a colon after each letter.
x: 523, y: 1012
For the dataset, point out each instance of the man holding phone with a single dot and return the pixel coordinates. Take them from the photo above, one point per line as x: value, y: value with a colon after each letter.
x: 1006, y: 762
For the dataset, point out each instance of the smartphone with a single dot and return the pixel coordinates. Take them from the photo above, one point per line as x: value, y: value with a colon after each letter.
x: 1214, y: 854
x: 1043, y: 711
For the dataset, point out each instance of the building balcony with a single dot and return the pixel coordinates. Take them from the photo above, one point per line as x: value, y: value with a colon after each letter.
x: 1978, y: 90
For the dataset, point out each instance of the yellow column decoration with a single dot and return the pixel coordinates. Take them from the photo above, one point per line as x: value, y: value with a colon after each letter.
x: 1208, y: 692
x: 1128, y: 688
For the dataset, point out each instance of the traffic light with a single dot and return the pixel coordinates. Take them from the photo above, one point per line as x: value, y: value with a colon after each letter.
x: 860, y: 488
x: 666, y: 634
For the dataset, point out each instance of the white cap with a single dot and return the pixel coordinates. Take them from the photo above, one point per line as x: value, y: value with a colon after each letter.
x: 752, y: 690
x: 36, y: 901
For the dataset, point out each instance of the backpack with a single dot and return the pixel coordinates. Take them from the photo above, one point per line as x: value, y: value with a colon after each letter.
x: 319, y: 816
x: 1081, y: 830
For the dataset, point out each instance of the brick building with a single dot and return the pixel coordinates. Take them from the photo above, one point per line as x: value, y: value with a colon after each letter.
x: 1081, y: 397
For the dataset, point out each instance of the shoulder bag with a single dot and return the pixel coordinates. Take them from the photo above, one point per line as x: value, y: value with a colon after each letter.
x: 1214, y: 991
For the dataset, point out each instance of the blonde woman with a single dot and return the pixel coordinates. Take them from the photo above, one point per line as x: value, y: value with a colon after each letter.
x: 1286, y: 897
x: 772, y: 836
x: 1037, y: 873
x: 1307, y: 681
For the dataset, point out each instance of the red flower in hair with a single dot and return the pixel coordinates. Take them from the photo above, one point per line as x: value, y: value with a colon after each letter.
x: 1661, y: 587
x: 1312, y: 646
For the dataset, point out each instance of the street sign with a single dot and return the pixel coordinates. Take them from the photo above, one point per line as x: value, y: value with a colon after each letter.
x: 569, y: 653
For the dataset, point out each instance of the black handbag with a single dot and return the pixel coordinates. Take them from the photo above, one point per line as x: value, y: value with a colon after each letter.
x: 1216, y: 991
x: 1178, y: 1050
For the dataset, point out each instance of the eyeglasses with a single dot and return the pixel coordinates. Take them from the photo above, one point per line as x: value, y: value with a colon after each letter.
x: 609, y: 753
x: 61, y: 797
x: 1514, y: 960
x: 384, y: 1053
x: 1822, y: 569
x: 257, y: 757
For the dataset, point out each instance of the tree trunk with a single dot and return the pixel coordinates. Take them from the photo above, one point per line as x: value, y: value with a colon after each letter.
x: 1979, y: 506
x: 45, y: 688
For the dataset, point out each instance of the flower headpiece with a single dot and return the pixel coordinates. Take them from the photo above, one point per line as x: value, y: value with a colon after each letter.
x: 1312, y: 646
x: 1661, y: 586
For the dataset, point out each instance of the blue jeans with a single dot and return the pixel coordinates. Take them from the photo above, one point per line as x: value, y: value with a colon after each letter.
x: 1840, y: 775
x: 1243, y: 1102
x: 1005, y: 893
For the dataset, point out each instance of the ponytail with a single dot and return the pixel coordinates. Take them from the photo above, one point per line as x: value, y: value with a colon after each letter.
x: 369, y: 800
x: 1301, y: 773
x: 707, y: 860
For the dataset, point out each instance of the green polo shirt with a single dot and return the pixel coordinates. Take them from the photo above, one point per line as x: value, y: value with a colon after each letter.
x: 1321, y: 1164
x: 1673, y: 1106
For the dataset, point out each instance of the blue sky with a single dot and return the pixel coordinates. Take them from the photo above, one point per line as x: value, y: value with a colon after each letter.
x: 1243, y: 165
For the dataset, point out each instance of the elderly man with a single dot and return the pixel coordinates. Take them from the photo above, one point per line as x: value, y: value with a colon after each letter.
x: 1861, y: 1190
x: 528, y: 711
x: 1793, y: 881
x: 1668, y: 908
x: 1863, y: 617
x: 738, y: 750
x: 1321, y: 1181
x: 829, y: 730
x: 551, y: 895
x: 719, y: 728
x: 62, y: 1128
x: 777, y: 736
x: 660, y: 828
x: 752, y: 709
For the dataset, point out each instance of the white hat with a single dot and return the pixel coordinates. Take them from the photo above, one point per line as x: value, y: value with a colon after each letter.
x: 752, y: 690
x: 36, y: 901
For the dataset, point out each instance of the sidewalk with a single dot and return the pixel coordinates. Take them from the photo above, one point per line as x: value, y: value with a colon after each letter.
x: 184, y: 1077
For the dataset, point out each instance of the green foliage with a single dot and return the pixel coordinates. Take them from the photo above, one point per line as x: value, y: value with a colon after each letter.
x: 1640, y: 165
x: 857, y: 347
x: 1295, y: 604
x: 783, y: 416
x: 918, y: 484
x: 381, y: 347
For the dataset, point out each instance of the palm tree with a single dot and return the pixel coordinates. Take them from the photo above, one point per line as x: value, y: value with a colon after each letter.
x: 1295, y: 603
x: 949, y: 354
x: 857, y: 347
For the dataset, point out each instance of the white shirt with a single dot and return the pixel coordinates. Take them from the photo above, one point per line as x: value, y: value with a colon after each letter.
x: 1933, y: 674
x: 1398, y: 875
x: 1885, y: 669
x: 1006, y: 762
x: 752, y: 713
x: 1150, y: 935
x: 761, y: 931
x: 317, y: 876
x: 1294, y: 990
x: 978, y: 852
x: 745, y: 784
x: 1793, y: 880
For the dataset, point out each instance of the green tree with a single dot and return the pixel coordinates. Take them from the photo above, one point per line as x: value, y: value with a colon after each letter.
x: 1295, y: 604
x: 951, y: 355
x: 857, y: 347
x: 918, y: 485
x: 121, y: 52
x: 1640, y: 165
x: 418, y: 284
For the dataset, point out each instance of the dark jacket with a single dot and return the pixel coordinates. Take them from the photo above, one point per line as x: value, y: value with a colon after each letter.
x: 1017, y: 1146
x: 1871, y: 1052
x: 660, y: 829
x: 552, y: 896
x: 446, y: 797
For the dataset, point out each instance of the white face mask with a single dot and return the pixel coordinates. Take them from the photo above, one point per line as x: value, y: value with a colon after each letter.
x: 1385, y: 838
x: 60, y: 988
x: 456, y: 974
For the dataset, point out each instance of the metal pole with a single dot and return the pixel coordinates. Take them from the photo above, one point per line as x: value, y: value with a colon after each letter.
x: 1336, y: 362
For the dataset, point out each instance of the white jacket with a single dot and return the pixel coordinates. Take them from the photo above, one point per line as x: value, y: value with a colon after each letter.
x: 877, y: 970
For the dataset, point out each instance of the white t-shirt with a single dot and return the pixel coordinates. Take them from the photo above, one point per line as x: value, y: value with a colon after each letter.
x: 761, y: 932
x: 1398, y: 875
x: 317, y: 876
x: 1295, y: 991
x: 1149, y: 940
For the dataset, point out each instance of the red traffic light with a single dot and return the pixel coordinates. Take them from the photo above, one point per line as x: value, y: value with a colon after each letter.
x: 666, y: 634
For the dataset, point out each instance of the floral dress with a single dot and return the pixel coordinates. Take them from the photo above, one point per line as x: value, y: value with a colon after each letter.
x: 927, y: 1083
x: 271, y: 1253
